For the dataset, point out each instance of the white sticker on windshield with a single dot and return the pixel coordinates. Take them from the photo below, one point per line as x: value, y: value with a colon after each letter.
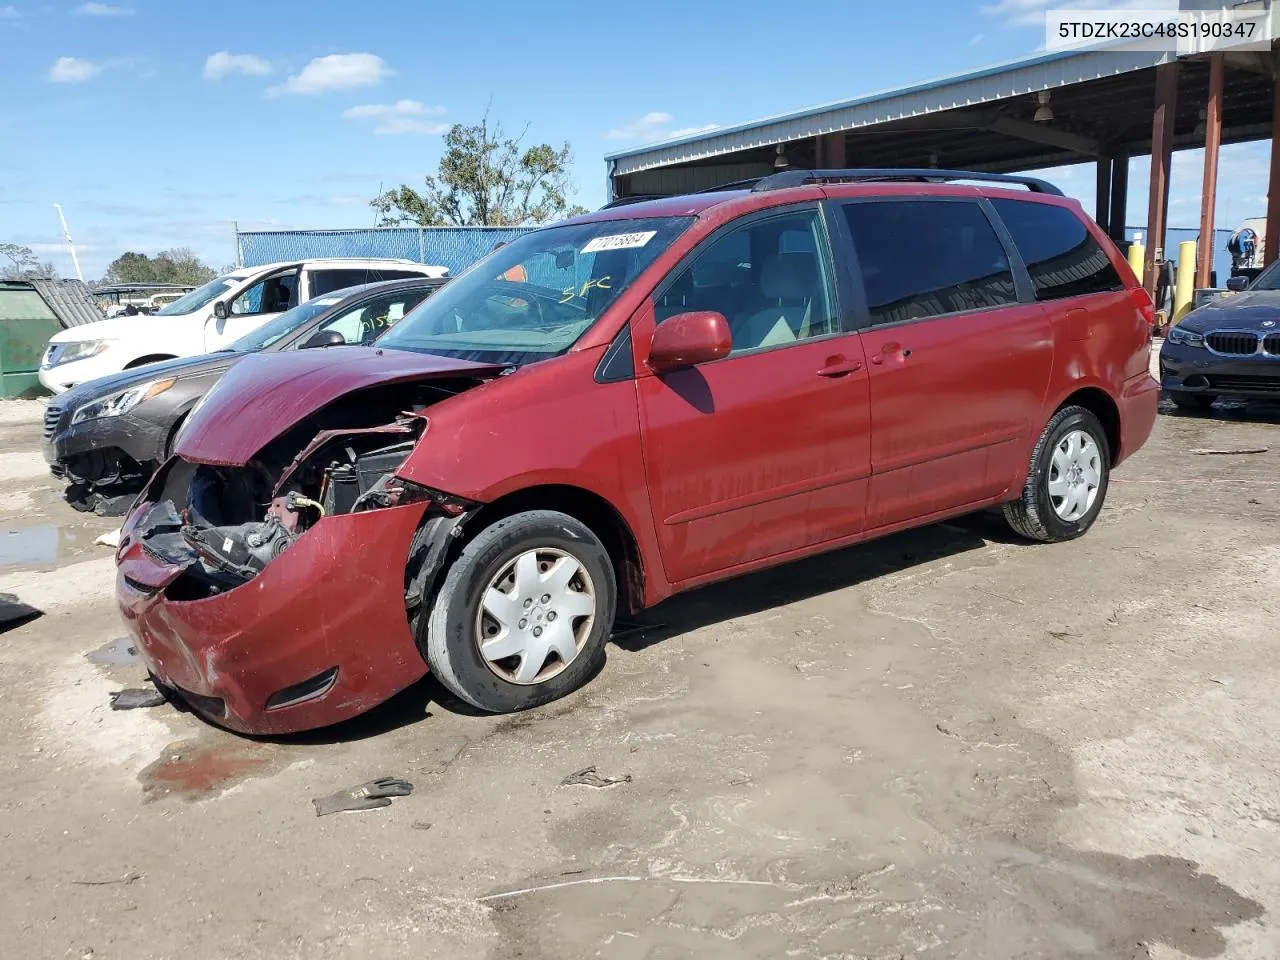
x: 620, y: 241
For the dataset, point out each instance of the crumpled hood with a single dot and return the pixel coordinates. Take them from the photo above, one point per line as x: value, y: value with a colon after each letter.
x: 267, y: 393
x: 1243, y: 311
x: 182, y: 368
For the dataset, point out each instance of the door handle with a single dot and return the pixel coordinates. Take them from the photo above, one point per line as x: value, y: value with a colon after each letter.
x: 839, y: 366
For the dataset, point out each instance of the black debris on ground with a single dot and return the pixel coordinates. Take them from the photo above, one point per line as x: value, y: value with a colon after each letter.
x: 367, y: 796
x: 135, y: 698
x: 14, y: 613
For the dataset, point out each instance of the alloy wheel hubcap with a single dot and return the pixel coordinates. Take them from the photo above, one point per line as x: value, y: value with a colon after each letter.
x: 535, y: 616
x: 1075, y: 473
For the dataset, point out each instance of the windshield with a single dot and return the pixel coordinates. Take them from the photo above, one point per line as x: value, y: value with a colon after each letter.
x: 197, y: 298
x: 264, y: 336
x: 534, y: 297
x: 1268, y: 279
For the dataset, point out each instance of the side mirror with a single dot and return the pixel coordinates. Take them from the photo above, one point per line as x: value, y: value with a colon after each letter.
x: 1238, y: 284
x: 323, y: 338
x: 220, y: 309
x: 688, y: 339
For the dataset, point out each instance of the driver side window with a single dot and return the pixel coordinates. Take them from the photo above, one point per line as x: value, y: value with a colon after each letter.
x: 771, y: 279
x: 271, y: 295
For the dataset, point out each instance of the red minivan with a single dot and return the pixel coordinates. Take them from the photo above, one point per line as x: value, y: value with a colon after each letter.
x: 668, y: 393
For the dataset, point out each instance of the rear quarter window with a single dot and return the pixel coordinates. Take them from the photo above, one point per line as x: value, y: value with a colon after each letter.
x: 1061, y: 255
x: 928, y: 258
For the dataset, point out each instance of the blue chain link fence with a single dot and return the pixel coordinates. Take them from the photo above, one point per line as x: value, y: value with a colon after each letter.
x: 453, y: 247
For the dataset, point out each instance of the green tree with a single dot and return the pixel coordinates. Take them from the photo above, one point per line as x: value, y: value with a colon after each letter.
x: 178, y: 265
x: 23, y: 264
x: 486, y: 179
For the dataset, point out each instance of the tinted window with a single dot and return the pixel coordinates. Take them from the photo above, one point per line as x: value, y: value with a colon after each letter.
x: 1061, y: 255
x: 326, y: 281
x: 771, y: 279
x: 925, y: 258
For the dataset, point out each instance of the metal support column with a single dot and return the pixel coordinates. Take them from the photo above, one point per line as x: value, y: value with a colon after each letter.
x: 1162, y: 120
x: 1273, y: 186
x: 1119, y: 206
x: 1209, y: 192
x: 1102, y: 198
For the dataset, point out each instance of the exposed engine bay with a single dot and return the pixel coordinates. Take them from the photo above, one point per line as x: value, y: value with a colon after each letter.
x: 224, y: 525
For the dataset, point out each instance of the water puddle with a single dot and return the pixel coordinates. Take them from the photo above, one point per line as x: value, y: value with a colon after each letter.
x: 194, y: 770
x: 119, y: 652
x: 29, y: 546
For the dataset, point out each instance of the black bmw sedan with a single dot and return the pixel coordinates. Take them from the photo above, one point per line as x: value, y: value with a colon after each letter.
x: 1230, y: 347
x: 107, y: 436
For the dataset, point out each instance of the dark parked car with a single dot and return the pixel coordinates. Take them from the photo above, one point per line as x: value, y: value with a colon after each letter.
x: 105, y: 437
x: 1230, y: 347
x: 623, y: 406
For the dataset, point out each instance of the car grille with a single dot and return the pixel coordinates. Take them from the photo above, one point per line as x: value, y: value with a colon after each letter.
x: 1252, y: 384
x: 52, y: 414
x: 1232, y: 343
x: 1271, y: 344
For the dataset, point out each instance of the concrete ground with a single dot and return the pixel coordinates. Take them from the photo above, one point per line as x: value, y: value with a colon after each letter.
x: 945, y: 744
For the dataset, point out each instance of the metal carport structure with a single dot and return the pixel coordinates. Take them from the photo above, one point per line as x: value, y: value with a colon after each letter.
x: 1049, y: 110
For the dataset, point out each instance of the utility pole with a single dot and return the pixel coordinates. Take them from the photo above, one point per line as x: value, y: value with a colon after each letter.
x: 70, y: 243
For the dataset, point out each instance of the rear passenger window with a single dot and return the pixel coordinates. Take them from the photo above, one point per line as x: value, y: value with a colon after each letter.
x: 771, y: 279
x: 1061, y: 255
x: 925, y: 258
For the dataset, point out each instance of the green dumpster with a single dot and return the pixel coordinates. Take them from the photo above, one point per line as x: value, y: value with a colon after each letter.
x: 26, y: 324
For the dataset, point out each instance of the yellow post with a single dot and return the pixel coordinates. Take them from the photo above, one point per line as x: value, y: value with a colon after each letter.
x: 1137, y: 253
x: 1185, y: 284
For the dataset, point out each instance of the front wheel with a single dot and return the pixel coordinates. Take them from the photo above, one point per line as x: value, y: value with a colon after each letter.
x: 523, y: 614
x: 1067, y: 480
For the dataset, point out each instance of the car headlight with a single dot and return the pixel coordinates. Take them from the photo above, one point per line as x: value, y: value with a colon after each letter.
x: 122, y: 402
x: 60, y: 353
x: 1186, y: 338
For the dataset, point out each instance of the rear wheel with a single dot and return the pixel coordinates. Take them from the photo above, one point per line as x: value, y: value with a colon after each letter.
x: 523, y: 613
x: 1195, y: 402
x: 1067, y: 480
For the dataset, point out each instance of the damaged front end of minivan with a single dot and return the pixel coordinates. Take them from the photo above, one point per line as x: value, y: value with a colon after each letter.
x: 283, y: 593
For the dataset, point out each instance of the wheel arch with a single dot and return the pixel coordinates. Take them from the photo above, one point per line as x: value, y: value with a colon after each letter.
x: 149, y: 358
x: 591, y: 509
x: 1103, y: 406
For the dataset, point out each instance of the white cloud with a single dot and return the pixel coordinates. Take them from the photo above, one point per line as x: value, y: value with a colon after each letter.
x: 72, y: 70
x: 1030, y: 13
x: 9, y: 13
x: 976, y: 39
x: 222, y: 63
x: 653, y: 126
x: 102, y: 10
x: 403, y: 116
x: 338, y: 71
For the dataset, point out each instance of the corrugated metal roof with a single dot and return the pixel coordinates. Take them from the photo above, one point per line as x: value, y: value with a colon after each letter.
x: 69, y: 299
x: 1009, y: 79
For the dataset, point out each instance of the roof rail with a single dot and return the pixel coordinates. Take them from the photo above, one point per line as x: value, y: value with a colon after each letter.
x: 638, y: 198
x: 796, y: 178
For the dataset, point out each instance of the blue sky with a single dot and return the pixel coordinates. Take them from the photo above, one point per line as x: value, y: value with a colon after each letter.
x: 156, y: 123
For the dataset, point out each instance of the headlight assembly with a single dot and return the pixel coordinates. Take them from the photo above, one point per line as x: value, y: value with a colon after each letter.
x: 1186, y: 338
x: 60, y: 353
x: 122, y: 402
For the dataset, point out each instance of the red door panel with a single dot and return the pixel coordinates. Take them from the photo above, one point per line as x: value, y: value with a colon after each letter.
x: 954, y: 401
x: 756, y: 454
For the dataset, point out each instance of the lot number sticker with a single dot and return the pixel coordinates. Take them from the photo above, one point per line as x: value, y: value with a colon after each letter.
x: 619, y: 241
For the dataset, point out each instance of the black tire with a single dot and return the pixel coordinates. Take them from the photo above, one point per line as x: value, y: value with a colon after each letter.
x: 1032, y: 515
x: 451, y: 645
x: 1192, y: 402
